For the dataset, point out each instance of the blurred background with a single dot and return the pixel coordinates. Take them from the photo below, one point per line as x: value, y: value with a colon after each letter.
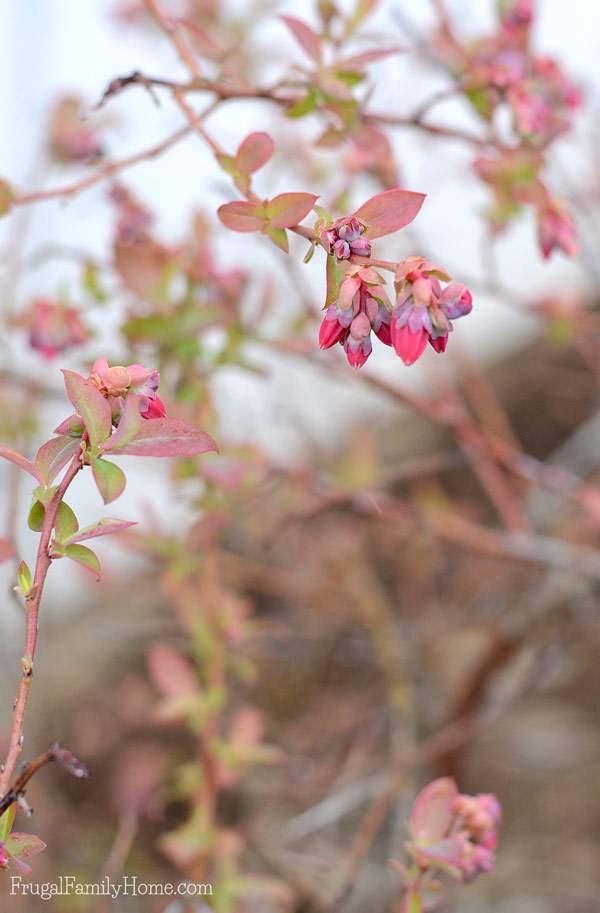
x: 358, y: 616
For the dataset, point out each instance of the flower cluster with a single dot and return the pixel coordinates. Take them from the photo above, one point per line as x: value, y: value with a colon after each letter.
x: 500, y: 69
x: 54, y: 327
x: 424, y: 311
x: 346, y: 237
x: 117, y: 381
x: 453, y: 832
x: 361, y: 306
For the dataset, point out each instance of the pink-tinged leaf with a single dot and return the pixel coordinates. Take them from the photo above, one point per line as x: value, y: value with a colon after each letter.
x: 89, y: 403
x: 389, y: 211
x: 6, y: 550
x: 306, y: 37
x: 104, y: 527
x: 254, y: 152
x: 169, y: 437
x: 85, y: 557
x: 241, y: 216
x: 110, y: 479
x: 54, y: 455
x: 73, y: 426
x: 289, y: 209
x: 360, y: 61
x: 432, y: 811
x: 171, y: 673
x: 19, y: 460
x: 279, y: 237
x: 447, y: 855
x: 130, y: 423
x: 23, y: 846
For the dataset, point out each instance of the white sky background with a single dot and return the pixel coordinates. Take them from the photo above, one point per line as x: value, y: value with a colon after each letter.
x: 48, y: 47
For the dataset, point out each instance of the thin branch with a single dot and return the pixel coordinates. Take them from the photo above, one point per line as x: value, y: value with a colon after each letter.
x: 32, y: 608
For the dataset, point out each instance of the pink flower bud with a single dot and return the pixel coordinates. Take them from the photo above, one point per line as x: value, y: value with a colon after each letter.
x: 4, y: 857
x: 341, y: 249
x: 456, y: 301
x: 407, y: 344
x: 557, y: 230
x: 331, y: 330
x: 439, y: 343
x: 361, y: 247
x: 152, y: 407
x: 349, y: 229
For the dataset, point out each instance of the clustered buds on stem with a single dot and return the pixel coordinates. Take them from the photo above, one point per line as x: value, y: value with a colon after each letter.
x: 450, y: 832
x: 346, y: 237
x: 117, y: 381
x: 424, y: 311
x: 362, y: 306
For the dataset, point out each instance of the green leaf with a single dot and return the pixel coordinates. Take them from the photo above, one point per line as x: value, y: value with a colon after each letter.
x: 6, y: 822
x: 89, y: 403
x: 279, y: 237
x: 66, y: 524
x: 415, y: 903
x: 91, y: 281
x: 25, y: 581
x: 37, y: 513
x: 110, y: 479
x: 227, y: 163
x: 84, y: 556
x: 305, y: 105
x: 336, y: 270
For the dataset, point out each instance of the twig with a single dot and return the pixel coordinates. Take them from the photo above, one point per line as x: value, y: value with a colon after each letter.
x: 32, y: 608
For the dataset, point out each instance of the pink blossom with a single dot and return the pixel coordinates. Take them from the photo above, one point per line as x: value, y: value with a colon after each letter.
x: 4, y: 857
x: 117, y: 381
x: 557, y: 230
x: 54, y: 327
x: 362, y: 305
x: 454, y: 832
x: 424, y: 311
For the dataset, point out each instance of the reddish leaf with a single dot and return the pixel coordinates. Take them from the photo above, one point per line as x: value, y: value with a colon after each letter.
x: 19, y: 460
x: 432, y: 811
x: 306, y: 37
x: 360, y: 61
x: 169, y: 437
x: 171, y: 673
x: 241, y: 216
x: 288, y: 209
x: 54, y: 455
x: 93, y: 408
x: 254, y: 152
x: 72, y: 426
x: 102, y: 528
x: 23, y: 846
x: 389, y: 211
x: 130, y: 423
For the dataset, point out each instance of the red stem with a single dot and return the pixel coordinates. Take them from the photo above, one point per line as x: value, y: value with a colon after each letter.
x: 32, y: 608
